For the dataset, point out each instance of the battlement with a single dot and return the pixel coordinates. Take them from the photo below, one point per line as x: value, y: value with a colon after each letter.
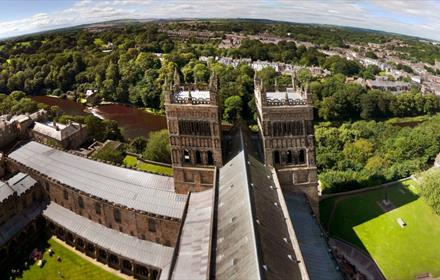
x: 193, y: 94
x: 288, y: 96
x: 187, y: 95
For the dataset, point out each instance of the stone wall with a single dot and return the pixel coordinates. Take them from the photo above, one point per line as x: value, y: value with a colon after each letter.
x: 194, y: 154
x: 289, y: 146
x: 193, y: 179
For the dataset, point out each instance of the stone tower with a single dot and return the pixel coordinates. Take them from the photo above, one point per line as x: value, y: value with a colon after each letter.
x: 285, y: 119
x: 194, y: 127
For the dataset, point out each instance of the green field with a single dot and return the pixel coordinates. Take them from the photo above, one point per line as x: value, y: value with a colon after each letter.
x: 149, y: 167
x: 401, y: 253
x: 71, y: 266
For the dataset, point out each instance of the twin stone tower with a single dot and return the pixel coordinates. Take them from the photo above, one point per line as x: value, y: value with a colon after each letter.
x: 285, y: 120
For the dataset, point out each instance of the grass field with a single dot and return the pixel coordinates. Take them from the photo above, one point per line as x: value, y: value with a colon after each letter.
x: 401, y: 253
x: 71, y: 267
x: 149, y: 167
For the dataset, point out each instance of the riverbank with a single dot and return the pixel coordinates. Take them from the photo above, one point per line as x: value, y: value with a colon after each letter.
x: 132, y: 120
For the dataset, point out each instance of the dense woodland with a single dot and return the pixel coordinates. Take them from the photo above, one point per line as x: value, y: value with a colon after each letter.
x: 367, y: 153
x: 355, y: 147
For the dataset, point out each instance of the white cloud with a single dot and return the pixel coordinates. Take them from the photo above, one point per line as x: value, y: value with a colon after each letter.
x: 420, y: 18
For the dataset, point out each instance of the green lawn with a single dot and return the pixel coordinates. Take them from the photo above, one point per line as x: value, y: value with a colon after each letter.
x: 401, y: 253
x: 72, y: 266
x: 149, y: 167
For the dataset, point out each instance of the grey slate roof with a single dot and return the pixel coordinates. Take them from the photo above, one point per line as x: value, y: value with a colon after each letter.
x: 60, y: 132
x: 137, y: 190
x: 5, y: 191
x: 195, y: 240
x: 140, y: 251
x: 21, y: 182
x: 320, y: 264
x: 236, y: 249
x: 16, y: 223
x: 253, y: 240
x: 18, y: 184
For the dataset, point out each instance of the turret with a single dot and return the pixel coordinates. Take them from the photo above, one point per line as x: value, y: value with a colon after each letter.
x: 213, y: 88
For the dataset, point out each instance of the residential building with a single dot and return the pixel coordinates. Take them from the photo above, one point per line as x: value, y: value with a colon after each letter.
x: 67, y: 136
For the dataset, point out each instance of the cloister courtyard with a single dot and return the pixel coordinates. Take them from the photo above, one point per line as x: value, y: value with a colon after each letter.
x: 62, y: 263
x: 402, y: 251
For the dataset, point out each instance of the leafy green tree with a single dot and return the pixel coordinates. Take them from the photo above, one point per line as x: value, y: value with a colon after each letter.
x: 233, y: 108
x: 158, y: 147
x: 429, y: 183
x: 138, y: 144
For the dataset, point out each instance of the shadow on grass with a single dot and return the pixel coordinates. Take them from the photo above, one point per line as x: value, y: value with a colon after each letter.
x: 22, y: 260
x: 356, y: 209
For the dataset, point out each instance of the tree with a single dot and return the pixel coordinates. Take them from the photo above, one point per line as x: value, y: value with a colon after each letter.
x: 429, y: 183
x: 158, y: 147
x: 233, y: 108
x: 138, y: 144
x: 304, y: 75
x: 358, y: 152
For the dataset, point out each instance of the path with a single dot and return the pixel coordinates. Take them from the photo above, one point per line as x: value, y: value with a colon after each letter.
x: 359, y: 259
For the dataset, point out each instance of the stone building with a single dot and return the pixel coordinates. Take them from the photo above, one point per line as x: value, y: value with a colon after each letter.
x: 393, y: 86
x: 8, y: 130
x: 127, y: 219
x: 228, y: 214
x: 285, y: 119
x: 21, y: 200
x: 135, y: 222
x: 194, y: 126
x: 66, y: 136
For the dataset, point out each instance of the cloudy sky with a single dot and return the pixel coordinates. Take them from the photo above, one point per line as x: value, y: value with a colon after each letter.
x: 412, y: 17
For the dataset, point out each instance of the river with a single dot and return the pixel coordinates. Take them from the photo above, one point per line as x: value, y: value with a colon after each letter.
x: 133, y: 121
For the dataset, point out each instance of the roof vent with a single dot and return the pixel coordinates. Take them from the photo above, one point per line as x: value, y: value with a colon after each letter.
x: 234, y: 261
x: 265, y: 267
x: 285, y: 240
x: 233, y: 219
x: 290, y: 257
x: 276, y: 204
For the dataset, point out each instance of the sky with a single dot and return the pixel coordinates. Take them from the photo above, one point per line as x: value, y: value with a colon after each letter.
x: 411, y: 17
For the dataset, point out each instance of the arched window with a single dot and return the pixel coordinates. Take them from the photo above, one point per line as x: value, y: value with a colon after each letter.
x: 65, y: 194
x: 98, y: 208
x: 126, y: 264
x: 151, y: 225
x: 186, y: 157
x: 302, y: 157
x: 289, y: 157
x: 210, y: 158
x: 117, y: 215
x: 276, y: 157
x: 80, y: 202
x: 198, y: 158
x: 142, y: 270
